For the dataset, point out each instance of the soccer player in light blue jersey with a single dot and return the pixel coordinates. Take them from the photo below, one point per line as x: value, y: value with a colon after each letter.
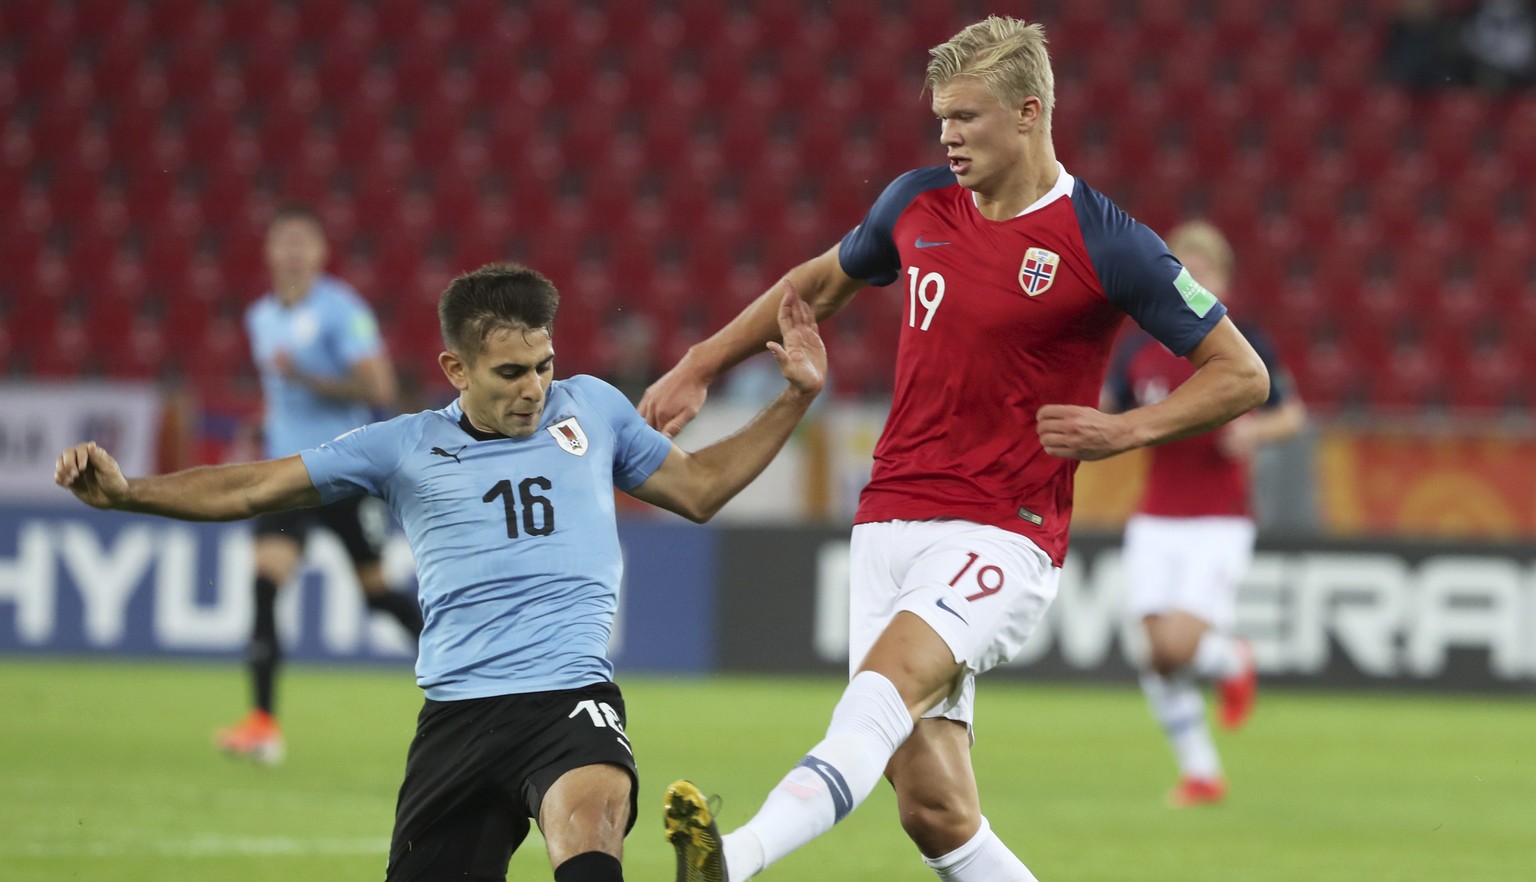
x: 507, y: 498
x: 324, y: 372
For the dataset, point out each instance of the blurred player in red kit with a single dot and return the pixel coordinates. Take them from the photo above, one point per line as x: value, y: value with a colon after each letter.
x: 1191, y: 540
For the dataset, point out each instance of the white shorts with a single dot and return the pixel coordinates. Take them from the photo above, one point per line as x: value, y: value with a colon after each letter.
x: 982, y: 588
x: 1191, y: 565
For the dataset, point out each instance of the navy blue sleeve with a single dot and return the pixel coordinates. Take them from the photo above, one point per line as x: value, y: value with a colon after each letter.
x: 1118, y: 381
x: 1280, y: 383
x: 869, y: 252
x: 1142, y: 277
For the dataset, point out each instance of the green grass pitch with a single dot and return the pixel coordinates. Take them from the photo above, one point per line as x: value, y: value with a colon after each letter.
x: 107, y: 772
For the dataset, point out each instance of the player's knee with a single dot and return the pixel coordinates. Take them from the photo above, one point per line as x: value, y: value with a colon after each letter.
x: 1168, y: 660
x: 592, y: 813
x: 938, y: 827
x: 370, y: 577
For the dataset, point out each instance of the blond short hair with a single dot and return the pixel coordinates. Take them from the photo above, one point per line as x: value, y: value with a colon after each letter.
x: 1201, y: 237
x: 1007, y: 55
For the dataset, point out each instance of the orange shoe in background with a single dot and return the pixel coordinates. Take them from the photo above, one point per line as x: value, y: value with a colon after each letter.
x: 257, y: 737
x: 1240, y: 691
x: 1197, y: 791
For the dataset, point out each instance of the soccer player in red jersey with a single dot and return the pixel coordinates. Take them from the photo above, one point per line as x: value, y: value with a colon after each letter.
x: 1016, y: 276
x: 1191, y: 539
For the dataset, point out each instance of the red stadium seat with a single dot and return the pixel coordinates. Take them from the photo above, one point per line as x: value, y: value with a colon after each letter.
x: 64, y: 347
x: 1490, y: 376
x: 1239, y: 25
x: 27, y: 16
x: 1411, y: 378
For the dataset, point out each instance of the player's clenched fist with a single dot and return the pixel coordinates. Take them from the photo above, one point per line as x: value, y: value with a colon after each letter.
x: 91, y: 474
x: 1074, y: 432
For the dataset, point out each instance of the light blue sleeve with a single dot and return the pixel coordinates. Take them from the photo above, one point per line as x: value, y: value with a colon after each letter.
x: 356, y: 328
x: 638, y: 448
x: 359, y: 462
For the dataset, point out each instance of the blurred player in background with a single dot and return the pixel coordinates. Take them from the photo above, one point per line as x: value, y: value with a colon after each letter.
x: 1016, y: 278
x: 1191, y: 540
x: 507, y: 498
x: 324, y: 372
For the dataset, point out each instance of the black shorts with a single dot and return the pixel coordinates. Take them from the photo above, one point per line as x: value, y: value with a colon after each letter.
x: 478, y: 770
x: 360, y: 522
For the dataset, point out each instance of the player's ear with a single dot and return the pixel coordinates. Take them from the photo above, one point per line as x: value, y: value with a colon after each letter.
x: 1029, y: 114
x: 455, y: 368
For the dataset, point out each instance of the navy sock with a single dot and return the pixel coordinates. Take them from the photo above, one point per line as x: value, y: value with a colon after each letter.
x: 403, y: 607
x: 265, y: 651
x: 591, y: 866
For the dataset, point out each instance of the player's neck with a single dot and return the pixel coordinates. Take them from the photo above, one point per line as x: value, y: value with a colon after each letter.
x: 1035, y: 174
x: 482, y: 428
x: 289, y: 292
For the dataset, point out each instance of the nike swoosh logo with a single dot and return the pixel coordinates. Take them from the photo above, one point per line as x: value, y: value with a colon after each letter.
x: 946, y: 607
x: 921, y: 244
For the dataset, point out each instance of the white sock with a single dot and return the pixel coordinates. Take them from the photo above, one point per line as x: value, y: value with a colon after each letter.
x: 1218, y: 657
x: 984, y: 859
x: 869, y: 723
x: 1179, y: 708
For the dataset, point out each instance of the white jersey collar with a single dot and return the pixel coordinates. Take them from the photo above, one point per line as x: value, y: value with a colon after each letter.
x: 1062, y: 187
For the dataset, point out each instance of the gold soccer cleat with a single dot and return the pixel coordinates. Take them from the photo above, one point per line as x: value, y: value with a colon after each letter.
x: 691, y: 830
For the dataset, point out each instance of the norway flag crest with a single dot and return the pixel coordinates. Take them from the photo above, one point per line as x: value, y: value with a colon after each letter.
x: 1038, y: 271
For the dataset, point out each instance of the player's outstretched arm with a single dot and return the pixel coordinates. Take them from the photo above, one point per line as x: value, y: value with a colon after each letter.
x: 674, y: 400
x: 696, y: 485
x: 1230, y: 379
x: 206, y: 493
x: 370, y: 380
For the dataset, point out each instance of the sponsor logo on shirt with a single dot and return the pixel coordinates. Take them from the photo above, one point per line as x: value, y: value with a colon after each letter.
x: 1038, y: 271
x: 453, y: 454
x: 568, y: 434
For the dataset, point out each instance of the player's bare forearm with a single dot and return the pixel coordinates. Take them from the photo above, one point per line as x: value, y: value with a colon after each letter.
x: 820, y: 282
x: 1216, y: 394
x: 697, y: 485
x: 1279, y: 423
x: 675, y: 399
x: 723, y: 469
x: 1230, y: 379
x: 205, y: 493
x: 1243, y: 437
x: 371, y: 381
x: 224, y: 492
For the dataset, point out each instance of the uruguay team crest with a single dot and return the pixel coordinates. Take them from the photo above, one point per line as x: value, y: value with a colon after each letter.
x: 1038, y: 271
x: 569, y: 436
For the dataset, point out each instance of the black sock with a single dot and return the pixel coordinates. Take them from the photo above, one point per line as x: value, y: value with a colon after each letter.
x: 404, y: 608
x: 264, y: 652
x: 591, y: 866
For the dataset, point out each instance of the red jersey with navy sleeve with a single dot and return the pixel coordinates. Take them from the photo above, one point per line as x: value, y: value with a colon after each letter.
x: 1192, y: 477
x: 1002, y: 318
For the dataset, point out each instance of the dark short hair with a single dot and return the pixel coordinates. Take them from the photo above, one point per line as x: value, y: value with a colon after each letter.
x: 495, y: 296
x: 301, y: 211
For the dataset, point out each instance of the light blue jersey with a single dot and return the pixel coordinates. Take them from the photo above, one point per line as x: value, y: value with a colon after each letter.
x: 325, y: 334
x: 515, y: 539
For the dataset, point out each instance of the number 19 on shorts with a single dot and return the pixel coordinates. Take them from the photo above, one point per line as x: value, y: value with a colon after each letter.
x: 925, y: 290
